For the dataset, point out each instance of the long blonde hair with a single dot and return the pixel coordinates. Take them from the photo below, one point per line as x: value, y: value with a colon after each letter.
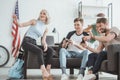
x: 47, y: 15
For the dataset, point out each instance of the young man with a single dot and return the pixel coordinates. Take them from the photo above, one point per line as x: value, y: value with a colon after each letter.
x: 111, y: 36
x: 93, y: 26
x: 71, y: 47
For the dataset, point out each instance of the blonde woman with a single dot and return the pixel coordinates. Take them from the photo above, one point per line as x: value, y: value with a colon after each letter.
x: 38, y: 29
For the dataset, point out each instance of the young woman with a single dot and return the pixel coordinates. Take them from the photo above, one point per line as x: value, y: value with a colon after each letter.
x: 38, y: 29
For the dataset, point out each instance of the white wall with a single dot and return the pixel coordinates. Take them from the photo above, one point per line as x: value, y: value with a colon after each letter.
x: 116, y: 13
x: 116, y: 16
x: 116, y: 6
x: 62, y: 13
x: 6, y: 9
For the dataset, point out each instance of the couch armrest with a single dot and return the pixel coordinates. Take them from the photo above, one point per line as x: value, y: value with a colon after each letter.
x: 113, y: 57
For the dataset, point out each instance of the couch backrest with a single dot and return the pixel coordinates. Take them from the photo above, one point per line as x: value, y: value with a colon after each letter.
x: 112, y: 56
x: 50, y: 40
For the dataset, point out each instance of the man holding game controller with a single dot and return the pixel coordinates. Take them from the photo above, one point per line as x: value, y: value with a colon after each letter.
x: 71, y: 47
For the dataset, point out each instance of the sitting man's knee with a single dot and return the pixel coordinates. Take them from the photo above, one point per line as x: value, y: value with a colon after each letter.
x: 62, y: 50
x: 91, y: 55
x: 86, y: 53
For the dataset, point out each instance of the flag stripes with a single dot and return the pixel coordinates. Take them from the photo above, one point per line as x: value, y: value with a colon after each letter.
x: 15, y: 34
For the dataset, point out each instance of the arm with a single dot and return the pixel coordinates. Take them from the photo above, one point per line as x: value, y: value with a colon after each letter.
x: 79, y: 46
x: 44, y: 39
x: 88, y: 29
x: 65, y: 43
x: 31, y: 22
x: 107, y: 38
x: 111, y: 34
x: 99, y: 48
x: 76, y: 44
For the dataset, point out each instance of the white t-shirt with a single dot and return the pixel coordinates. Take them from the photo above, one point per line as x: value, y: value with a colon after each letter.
x: 77, y: 39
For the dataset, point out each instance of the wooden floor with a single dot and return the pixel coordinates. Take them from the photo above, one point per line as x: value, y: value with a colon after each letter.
x: 36, y: 75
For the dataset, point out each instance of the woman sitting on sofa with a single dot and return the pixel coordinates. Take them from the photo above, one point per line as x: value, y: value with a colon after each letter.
x: 38, y: 29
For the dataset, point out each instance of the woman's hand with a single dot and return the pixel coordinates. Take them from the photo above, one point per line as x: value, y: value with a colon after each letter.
x: 45, y: 47
x: 16, y: 20
x: 14, y: 17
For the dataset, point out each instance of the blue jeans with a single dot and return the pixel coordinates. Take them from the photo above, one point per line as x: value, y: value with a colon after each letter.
x: 68, y: 54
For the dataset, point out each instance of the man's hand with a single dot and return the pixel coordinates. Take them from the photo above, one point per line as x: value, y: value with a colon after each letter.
x: 71, y: 42
x: 65, y: 43
x: 85, y: 44
x: 86, y: 38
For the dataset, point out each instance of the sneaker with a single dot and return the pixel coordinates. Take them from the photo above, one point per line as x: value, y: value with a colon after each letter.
x: 89, y: 77
x: 80, y: 77
x: 86, y: 71
x: 64, y: 77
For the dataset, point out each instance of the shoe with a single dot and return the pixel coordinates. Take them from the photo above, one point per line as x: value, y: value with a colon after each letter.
x: 86, y: 71
x: 80, y: 77
x: 97, y: 76
x: 89, y: 77
x: 82, y: 70
x: 64, y: 77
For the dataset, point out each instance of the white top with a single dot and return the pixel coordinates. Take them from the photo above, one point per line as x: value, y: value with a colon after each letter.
x: 77, y: 39
x: 36, y: 30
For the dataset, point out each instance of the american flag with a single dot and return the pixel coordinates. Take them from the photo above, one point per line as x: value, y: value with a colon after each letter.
x: 15, y: 33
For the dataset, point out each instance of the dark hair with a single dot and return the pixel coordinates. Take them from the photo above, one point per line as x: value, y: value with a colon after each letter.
x: 78, y: 19
x: 102, y: 20
x: 100, y: 15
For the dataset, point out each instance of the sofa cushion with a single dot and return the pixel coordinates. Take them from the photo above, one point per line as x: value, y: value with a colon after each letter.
x: 112, y: 56
x: 104, y: 66
x: 32, y: 62
x: 71, y: 63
